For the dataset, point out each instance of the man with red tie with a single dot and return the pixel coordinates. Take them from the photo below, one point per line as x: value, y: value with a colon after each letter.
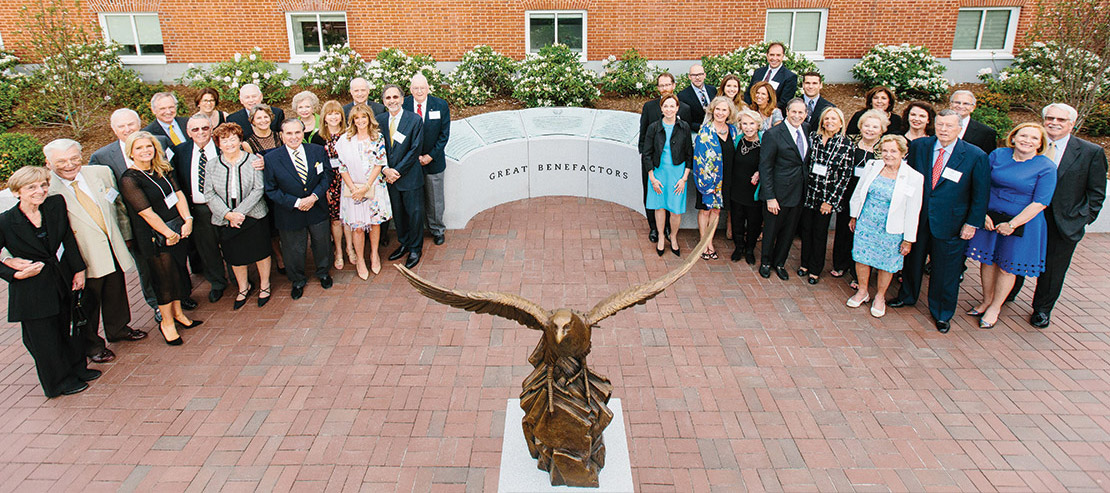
x: 436, y: 116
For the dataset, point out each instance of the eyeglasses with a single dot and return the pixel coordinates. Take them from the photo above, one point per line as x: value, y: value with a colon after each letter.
x: 201, y: 129
x: 698, y: 75
x: 962, y: 103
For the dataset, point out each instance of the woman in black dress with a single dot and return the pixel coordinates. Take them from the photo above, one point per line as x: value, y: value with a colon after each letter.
x: 882, y: 99
x: 745, y: 210
x: 160, y: 219
x: 263, y: 140
x: 45, y: 269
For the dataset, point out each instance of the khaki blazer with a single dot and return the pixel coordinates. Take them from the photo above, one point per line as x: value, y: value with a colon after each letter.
x: 97, y: 248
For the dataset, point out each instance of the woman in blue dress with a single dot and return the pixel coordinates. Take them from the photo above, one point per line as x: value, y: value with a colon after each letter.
x: 666, y: 159
x: 884, y: 209
x: 1014, y: 236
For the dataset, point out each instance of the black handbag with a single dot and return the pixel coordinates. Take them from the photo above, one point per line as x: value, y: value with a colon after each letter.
x: 175, y: 225
x: 1001, y: 217
x: 78, y: 320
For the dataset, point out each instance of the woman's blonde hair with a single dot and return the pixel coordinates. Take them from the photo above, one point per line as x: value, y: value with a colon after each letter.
x: 821, y: 121
x: 900, y: 141
x: 884, y: 120
x: 158, y: 164
x: 27, y: 175
x: 722, y: 99
x: 331, y: 106
x: 750, y: 113
x: 1013, y: 133
x: 362, y: 109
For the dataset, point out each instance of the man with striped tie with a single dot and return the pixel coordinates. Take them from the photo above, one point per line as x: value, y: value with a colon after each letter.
x: 296, y: 182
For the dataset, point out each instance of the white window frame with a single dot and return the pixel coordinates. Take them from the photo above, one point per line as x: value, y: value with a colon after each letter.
x: 528, y: 28
x: 310, y: 57
x: 1007, y: 51
x: 812, y: 55
x: 140, y: 59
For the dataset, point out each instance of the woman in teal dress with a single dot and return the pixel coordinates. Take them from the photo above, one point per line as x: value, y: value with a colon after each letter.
x: 713, y: 147
x: 666, y: 159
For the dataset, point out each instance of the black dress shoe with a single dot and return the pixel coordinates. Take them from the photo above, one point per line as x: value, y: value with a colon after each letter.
x: 667, y: 230
x: 189, y: 304
x: 281, y: 270
x: 802, y: 272
x: 157, y: 316
x: 438, y: 239
x: 130, y: 334
x: 942, y: 326
x: 765, y: 271
x: 653, y: 236
x: 897, y: 303
x: 297, y: 292
x: 193, y: 324
x: 414, y: 258
x: 736, y: 255
x: 781, y: 272
x: 326, y: 282
x: 813, y: 280
x: 749, y: 257
x: 76, y: 390
x: 104, y: 356
x: 88, y: 374
x: 215, y: 295
x: 1039, y: 320
x: 398, y: 253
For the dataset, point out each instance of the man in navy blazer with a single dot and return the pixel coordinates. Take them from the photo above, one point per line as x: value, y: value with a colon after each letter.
x: 360, y: 93
x: 812, y: 82
x: 697, y: 96
x: 435, y: 118
x: 166, y: 123
x: 191, y: 160
x: 250, y: 95
x: 781, y: 78
x: 954, y: 205
x: 296, y: 182
x: 403, y: 132
x: 782, y: 183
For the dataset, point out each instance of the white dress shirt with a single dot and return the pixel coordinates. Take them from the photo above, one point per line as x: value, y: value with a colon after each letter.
x: 1061, y: 145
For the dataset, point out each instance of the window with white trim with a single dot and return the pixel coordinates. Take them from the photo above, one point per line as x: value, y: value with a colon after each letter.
x: 803, y: 30
x: 547, y: 27
x: 310, y: 33
x: 985, y: 31
x: 138, y: 34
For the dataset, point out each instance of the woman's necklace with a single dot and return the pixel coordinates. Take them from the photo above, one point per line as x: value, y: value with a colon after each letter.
x: 745, y: 148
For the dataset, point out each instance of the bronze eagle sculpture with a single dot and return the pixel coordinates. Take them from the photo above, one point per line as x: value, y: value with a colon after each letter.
x: 564, y: 402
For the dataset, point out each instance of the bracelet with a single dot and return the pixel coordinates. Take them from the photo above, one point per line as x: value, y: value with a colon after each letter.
x: 188, y: 218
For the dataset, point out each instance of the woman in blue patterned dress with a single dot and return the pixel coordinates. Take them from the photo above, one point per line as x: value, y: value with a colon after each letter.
x: 666, y: 160
x: 713, y: 146
x: 364, y: 203
x: 1014, y: 237
x: 884, y: 210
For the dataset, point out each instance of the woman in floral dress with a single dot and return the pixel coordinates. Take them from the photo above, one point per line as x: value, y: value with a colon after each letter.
x: 364, y: 203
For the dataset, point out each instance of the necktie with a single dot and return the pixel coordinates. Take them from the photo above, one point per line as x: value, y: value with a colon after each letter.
x: 801, y: 142
x: 392, y: 129
x: 1051, y: 151
x: 809, y: 108
x: 173, y: 135
x: 420, y: 110
x: 938, y: 167
x: 302, y: 168
x: 90, y: 207
x: 701, y: 96
x: 201, y: 163
x: 767, y: 76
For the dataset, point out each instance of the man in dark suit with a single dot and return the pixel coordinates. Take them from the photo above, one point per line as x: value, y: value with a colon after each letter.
x: 971, y: 131
x: 435, y: 116
x: 403, y: 132
x: 782, y: 173
x: 781, y: 78
x: 190, y: 161
x: 296, y: 182
x: 250, y: 95
x: 954, y: 205
x: 697, y: 96
x: 360, y: 94
x: 166, y: 122
x: 650, y: 113
x: 811, y: 94
x: 1080, y: 191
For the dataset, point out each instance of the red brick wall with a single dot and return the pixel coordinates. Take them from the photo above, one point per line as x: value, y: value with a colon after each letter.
x: 211, y: 30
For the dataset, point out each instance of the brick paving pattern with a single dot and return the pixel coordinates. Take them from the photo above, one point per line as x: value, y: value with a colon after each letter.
x: 729, y: 381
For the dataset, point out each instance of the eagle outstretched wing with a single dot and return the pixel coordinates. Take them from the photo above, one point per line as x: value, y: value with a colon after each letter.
x: 640, y: 294
x: 505, y: 305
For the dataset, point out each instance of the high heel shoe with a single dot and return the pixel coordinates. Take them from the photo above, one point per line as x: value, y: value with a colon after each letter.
x: 176, y: 342
x: 195, y: 323
x: 983, y: 324
x: 852, y: 303
x: 363, y: 272
x: 351, y: 255
x: 675, y: 249
x: 338, y: 264
x: 974, y: 313
x: 263, y: 300
x: 660, y: 251
x: 375, y: 267
x: 246, y: 293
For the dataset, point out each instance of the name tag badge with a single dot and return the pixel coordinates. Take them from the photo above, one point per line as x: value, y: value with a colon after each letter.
x: 774, y: 85
x: 319, y: 168
x: 398, y: 137
x: 951, y: 175
x: 61, y: 250
x: 111, y: 195
x: 820, y: 170
x: 334, y: 163
x: 433, y: 115
x: 171, y: 200
x: 858, y: 171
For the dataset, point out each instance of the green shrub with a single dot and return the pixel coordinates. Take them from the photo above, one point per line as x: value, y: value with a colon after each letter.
x: 18, y: 150
x: 228, y: 76
x: 555, y: 77
x: 629, y: 75
x: 995, y: 118
x: 910, y: 71
x: 393, y: 66
x: 1033, y: 79
x: 333, y: 71
x: 743, y: 61
x: 481, y: 74
x: 1097, y: 123
x: 11, y: 83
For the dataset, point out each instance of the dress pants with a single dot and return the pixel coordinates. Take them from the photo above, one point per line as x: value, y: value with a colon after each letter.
x: 433, y: 203
x: 1058, y: 254
x: 947, y: 255
x: 842, y: 241
x: 107, y: 296
x: 206, y: 240
x: 747, y: 223
x: 408, y: 217
x: 294, y: 244
x: 814, y: 228
x: 778, y: 235
x: 58, y: 358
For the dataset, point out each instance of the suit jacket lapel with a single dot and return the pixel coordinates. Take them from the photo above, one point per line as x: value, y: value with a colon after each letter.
x: 789, y: 136
x: 1070, y: 157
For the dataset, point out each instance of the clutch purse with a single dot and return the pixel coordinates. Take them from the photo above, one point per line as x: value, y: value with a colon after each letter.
x: 1001, y: 217
x: 175, y: 225
x: 347, y: 191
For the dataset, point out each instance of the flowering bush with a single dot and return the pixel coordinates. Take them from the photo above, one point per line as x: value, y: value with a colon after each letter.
x: 743, y: 61
x: 227, y: 77
x: 10, y: 84
x: 555, y: 77
x: 629, y: 75
x: 910, y: 71
x: 393, y: 66
x: 482, y: 74
x: 1097, y: 122
x: 333, y: 71
x: 16, y: 151
x: 1033, y: 79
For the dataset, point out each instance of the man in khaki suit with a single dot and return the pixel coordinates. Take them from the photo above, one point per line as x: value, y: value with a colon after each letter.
x: 94, y: 206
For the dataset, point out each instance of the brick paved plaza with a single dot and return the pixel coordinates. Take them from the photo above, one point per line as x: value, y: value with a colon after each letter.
x: 728, y: 381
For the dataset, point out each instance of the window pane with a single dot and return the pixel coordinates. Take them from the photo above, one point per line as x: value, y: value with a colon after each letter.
x: 306, y: 34
x: 150, y: 35
x: 335, y: 29
x: 541, y: 31
x: 778, y: 26
x: 967, y: 29
x: 994, y: 30
x: 570, y: 31
x: 807, y: 29
x: 119, y: 31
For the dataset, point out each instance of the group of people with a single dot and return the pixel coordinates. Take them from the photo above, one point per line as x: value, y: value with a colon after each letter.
x: 914, y: 193
x: 214, y: 193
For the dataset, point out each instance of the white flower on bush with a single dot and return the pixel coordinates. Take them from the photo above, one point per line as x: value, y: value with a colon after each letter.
x: 238, y: 57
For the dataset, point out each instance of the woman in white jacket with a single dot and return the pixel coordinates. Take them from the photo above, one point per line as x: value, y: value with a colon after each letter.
x: 885, y: 208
